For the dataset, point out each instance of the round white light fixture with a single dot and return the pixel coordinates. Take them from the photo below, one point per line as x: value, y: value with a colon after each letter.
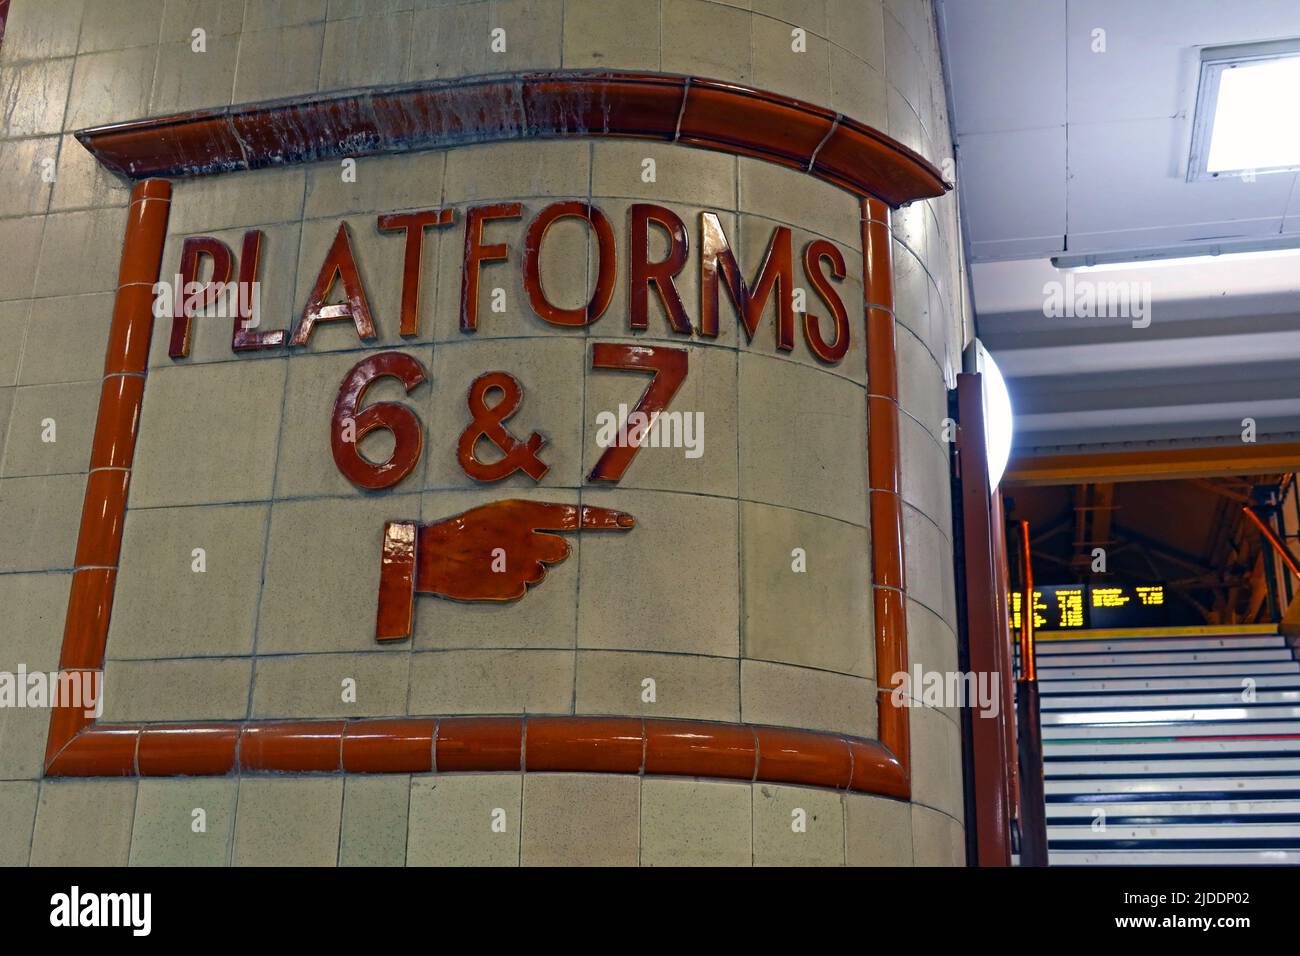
x: 997, y: 414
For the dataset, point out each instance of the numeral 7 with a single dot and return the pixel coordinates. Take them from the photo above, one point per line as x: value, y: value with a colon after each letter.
x: 668, y: 366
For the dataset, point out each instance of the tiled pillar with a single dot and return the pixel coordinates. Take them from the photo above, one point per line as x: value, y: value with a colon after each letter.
x: 747, y: 593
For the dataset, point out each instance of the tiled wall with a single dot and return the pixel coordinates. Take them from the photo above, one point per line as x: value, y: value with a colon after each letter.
x: 234, y: 457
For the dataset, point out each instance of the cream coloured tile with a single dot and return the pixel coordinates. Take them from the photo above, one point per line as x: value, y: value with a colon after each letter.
x: 785, y: 696
x: 928, y: 559
x: 213, y: 688
x: 383, y: 184
x: 39, y: 518
x: 858, y: 26
x: 937, y: 839
x: 330, y: 685
x: 877, y: 832
x: 190, y: 79
x: 819, y: 616
x: 33, y: 96
x: 322, y: 573
x: 26, y: 166
x: 581, y: 820
x: 366, y: 51
x: 707, y: 39
x: 232, y: 410
x: 215, y: 17
x: 81, y: 182
x: 492, y: 682
x: 83, y: 823
x: 265, y: 14
x: 803, y: 439
x: 685, y: 686
x: 67, y: 338
x: 785, y: 65
x: 533, y: 33
x: 182, y: 822
x: 288, y: 822
x: 787, y: 196
x: 118, y: 25
x: 17, y: 815
x: 696, y: 823
x: 517, y: 170
x: 92, y: 240
x: 858, y: 90
x: 668, y: 584
x: 110, y: 87
x: 34, y: 611
x: 374, y: 820
x: 13, y: 331
x: 936, y: 761
x: 925, y: 471
x: 21, y: 240
x: 212, y: 612
x: 278, y: 62
x: 455, y: 41
x: 50, y: 429
x: 41, y: 29
x: 235, y: 200
x: 797, y: 826
x: 465, y: 820
x: 614, y: 34
x: 23, y: 734
x: 680, y: 174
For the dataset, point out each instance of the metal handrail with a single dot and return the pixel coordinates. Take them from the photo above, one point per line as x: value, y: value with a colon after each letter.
x: 1282, y: 552
x: 1028, y: 669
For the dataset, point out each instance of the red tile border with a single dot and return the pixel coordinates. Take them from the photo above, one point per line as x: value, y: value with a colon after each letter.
x: 714, y: 115
x: 626, y: 745
x: 482, y: 109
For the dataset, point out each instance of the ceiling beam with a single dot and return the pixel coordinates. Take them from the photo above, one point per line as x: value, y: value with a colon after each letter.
x: 1152, y: 464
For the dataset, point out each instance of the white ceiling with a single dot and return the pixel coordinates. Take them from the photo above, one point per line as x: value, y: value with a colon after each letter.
x: 1061, y: 150
x: 1065, y: 150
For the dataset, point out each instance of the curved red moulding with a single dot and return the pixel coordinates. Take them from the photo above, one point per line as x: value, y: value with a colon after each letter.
x: 692, y: 111
x: 628, y: 745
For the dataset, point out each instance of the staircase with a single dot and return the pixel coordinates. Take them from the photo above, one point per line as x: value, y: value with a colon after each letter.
x: 1152, y: 754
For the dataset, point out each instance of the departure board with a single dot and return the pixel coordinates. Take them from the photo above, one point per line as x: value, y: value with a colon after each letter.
x: 1071, y: 607
x: 1057, y: 607
x: 1141, y: 605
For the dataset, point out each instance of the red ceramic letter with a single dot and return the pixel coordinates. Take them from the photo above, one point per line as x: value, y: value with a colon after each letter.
x: 340, y: 264
x: 349, y: 426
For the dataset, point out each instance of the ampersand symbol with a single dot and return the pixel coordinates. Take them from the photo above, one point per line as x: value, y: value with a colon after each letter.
x: 487, y: 419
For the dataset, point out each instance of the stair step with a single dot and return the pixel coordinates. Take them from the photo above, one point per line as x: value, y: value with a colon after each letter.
x: 1238, y: 728
x: 1167, y: 657
x: 1075, y: 703
x: 1186, y: 810
x: 1244, y: 835
x: 1053, y: 688
x: 1209, y: 788
x: 1170, y: 715
x: 1146, y: 857
x: 1173, y: 766
x: 1250, y: 668
x: 1055, y: 749
x: 1127, y: 645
